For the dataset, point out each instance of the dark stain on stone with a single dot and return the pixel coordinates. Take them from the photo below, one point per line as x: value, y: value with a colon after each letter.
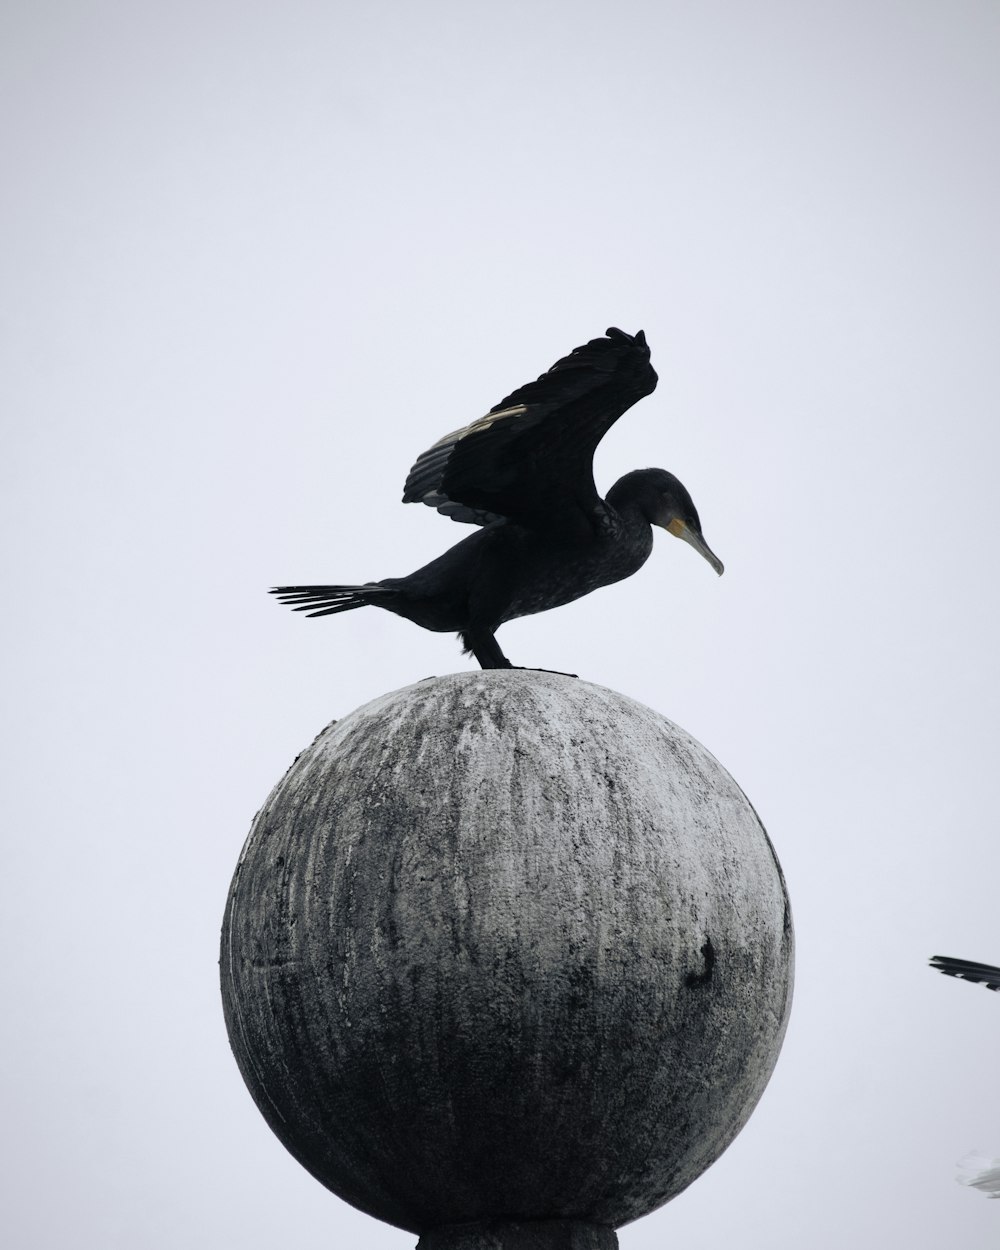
x: 704, y: 977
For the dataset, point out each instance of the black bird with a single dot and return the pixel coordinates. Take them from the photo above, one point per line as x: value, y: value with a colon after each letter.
x: 966, y: 970
x: 524, y: 473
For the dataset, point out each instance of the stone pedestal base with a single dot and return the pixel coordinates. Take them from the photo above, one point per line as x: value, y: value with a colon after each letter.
x: 521, y: 1235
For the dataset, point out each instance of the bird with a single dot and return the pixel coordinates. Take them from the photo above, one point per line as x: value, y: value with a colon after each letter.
x: 523, y: 475
x: 980, y: 1170
x: 966, y: 970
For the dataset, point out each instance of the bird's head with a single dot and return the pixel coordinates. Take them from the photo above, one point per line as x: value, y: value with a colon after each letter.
x: 665, y: 502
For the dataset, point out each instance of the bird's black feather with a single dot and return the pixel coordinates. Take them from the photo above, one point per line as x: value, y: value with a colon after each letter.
x: 328, y: 600
x: 967, y: 970
x: 530, y: 459
x: 622, y: 356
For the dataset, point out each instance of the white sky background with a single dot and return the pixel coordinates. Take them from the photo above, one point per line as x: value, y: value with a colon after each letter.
x: 257, y: 258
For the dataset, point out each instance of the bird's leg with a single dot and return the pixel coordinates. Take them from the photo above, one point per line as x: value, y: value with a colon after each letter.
x: 482, y: 644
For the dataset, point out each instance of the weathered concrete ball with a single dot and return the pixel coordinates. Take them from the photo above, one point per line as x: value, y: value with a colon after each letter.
x: 506, y: 945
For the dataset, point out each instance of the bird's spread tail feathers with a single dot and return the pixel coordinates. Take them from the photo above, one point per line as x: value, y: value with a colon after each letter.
x: 326, y: 600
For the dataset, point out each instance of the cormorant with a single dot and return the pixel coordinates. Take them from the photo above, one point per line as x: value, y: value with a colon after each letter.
x: 524, y: 474
x: 966, y: 970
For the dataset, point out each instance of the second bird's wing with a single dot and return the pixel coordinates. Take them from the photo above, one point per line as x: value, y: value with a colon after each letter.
x: 530, y: 459
x: 967, y: 970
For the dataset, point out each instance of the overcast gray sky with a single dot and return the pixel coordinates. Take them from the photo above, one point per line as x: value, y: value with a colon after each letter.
x: 256, y: 258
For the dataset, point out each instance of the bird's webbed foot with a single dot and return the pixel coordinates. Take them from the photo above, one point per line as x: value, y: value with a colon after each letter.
x: 556, y: 672
x: 483, y: 645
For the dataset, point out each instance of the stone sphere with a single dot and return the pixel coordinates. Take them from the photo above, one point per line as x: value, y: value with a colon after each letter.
x: 506, y: 945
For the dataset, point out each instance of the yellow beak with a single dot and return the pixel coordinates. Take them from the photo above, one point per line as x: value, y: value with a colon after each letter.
x: 680, y: 529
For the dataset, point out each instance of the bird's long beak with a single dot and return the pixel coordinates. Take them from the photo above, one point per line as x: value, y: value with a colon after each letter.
x: 680, y: 529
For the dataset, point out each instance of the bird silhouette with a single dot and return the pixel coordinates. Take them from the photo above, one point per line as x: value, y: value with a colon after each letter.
x: 524, y: 475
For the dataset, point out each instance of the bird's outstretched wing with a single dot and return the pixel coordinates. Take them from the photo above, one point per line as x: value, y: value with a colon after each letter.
x: 983, y: 974
x: 530, y: 459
